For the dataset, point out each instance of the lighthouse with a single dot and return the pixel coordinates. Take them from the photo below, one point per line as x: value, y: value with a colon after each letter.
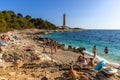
x: 64, y: 21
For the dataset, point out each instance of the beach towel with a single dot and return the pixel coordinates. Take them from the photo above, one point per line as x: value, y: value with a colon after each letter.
x: 99, y: 65
x: 4, y: 43
x: 27, y: 47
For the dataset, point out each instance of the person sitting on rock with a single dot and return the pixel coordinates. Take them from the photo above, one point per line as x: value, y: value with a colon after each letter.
x: 83, y: 60
x: 73, y: 74
x: 79, y: 58
x: 91, y: 63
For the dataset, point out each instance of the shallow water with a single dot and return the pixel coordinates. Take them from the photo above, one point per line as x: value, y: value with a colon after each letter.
x: 89, y: 38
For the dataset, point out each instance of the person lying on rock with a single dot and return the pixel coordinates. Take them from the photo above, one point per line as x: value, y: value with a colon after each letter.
x: 73, y: 74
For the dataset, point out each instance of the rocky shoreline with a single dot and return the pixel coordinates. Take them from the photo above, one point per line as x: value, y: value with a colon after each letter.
x: 23, y: 60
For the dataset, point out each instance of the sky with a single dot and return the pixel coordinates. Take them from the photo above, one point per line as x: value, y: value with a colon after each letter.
x: 88, y: 14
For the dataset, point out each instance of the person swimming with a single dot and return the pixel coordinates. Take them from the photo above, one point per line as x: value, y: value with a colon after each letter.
x: 106, y: 50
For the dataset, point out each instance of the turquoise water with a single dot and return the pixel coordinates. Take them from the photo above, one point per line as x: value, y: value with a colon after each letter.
x: 87, y: 39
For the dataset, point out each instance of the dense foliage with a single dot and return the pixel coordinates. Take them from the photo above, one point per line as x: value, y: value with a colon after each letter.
x: 9, y: 20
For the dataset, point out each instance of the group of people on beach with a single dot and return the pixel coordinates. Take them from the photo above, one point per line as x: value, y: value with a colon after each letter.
x: 83, y: 61
x: 51, y: 44
x: 86, y: 61
x: 8, y: 37
x: 74, y: 74
x: 90, y: 61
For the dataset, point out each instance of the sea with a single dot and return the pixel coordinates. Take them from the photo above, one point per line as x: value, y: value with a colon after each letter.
x: 89, y: 38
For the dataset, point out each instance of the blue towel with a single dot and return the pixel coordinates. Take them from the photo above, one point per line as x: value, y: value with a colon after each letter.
x: 4, y: 43
x: 99, y: 65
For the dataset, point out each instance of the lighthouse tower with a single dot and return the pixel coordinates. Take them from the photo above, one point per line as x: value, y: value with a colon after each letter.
x: 64, y: 21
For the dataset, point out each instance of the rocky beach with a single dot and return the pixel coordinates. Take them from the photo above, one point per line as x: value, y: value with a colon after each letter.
x: 22, y: 58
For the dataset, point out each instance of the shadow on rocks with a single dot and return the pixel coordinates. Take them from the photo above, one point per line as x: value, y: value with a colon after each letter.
x: 60, y: 78
x: 44, y: 78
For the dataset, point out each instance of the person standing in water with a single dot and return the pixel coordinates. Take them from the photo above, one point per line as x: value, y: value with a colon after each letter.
x: 94, y: 51
x: 106, y: 50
